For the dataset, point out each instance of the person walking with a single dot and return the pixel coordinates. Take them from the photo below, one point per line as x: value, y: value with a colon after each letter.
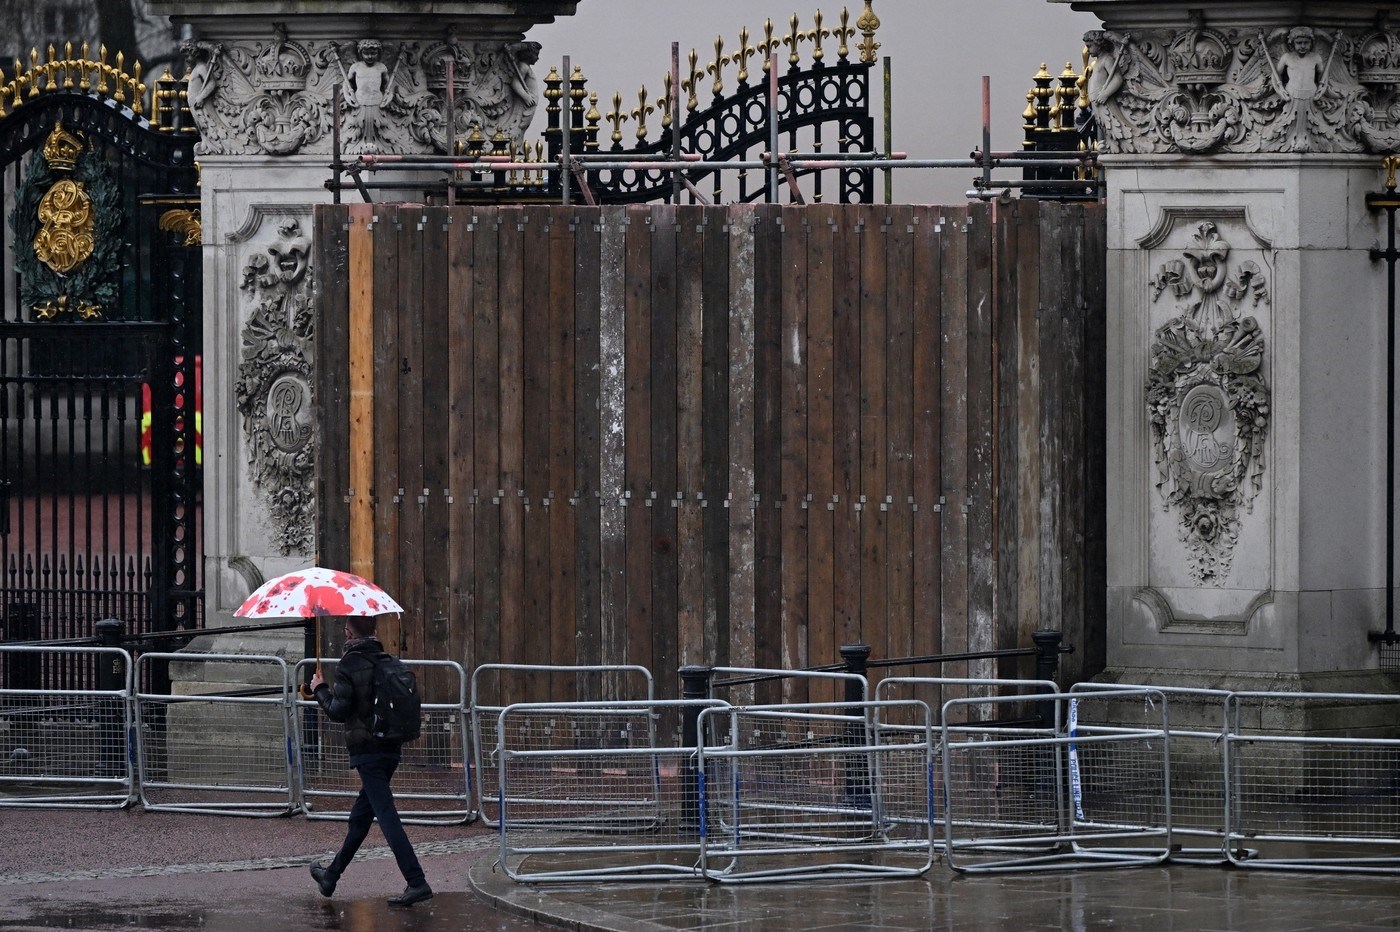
x: 351, y: 702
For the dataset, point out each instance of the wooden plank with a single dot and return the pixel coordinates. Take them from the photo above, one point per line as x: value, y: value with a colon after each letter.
x: 955, y: 428
x: 1091, y: 654
x: 845, y: 308
x: 742, y: 545
x: 461, y: 438
x: 1052, y: 286
x: 1006, y: 472
x: 822, y: 636
x: 386, y: 407
x: 516, y: 633
x: 899, y: 395
x: 361, y: 366
x: 662, y: 434
x: 409, y: 589
x: 690, y: 472
x: 437, y: 540
x: 536, y: 362
x: 487, y: 488
x: 716, y: 289
x: 332, y: 385
x: 981, y: 438
x: 637, y: 368
x: 874, y: 426
x: 562, y: 411
x: 928, y: 431
x: 1073, y: 425
x: 587, y: 435
x: 767, y: 434
x: 1028, y: 365
x: 792, y: 452
x: 612, y: 335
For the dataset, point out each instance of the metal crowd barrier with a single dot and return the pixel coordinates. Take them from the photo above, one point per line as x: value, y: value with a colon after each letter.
x: 1197, y: 769
x: 799, y: 791
x: 585, y: 793
x: 926, y: 809
x: 1316, y: 801
x: 67, y: 748
x: 431, y: 785
x: 1075, y: 794
x: 739, y: 688
x: 492, y: 683
x: 217, y: 752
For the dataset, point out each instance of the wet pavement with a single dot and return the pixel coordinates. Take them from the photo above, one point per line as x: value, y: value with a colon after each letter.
x: 136, y: 870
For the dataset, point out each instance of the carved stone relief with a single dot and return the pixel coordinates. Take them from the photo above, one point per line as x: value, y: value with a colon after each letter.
x: 1208, y: 397
x: 273, y: 390
x: 277, y: 98
x: 1293, y: 88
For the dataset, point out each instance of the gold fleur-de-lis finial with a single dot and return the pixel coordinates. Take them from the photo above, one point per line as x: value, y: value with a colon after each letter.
x: 766, y: 47
x: 868, y: 24
x: 792, y: 40
x: 843, y: 34
x: 1390, y: 163
x: 667, y: 102
x: 616, y: 117
x: 641, y: 112
x: 691, y: 85
x: 716, y: 67
x: 817, y: 35
x: 743, y: 54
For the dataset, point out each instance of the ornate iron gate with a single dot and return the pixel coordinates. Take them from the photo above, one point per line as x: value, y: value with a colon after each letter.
x: 100, y: 357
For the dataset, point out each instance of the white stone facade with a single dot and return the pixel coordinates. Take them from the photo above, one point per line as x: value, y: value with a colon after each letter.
x: 262, y: 94
x: 1246, y: 337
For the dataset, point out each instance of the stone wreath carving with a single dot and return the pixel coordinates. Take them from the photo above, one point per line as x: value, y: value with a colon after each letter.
x: 277, y: 98
x: 274, y: 387
x: 1208, y: 400
x: 1286, y: 89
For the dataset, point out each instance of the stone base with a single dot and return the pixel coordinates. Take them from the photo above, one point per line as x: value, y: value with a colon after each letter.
x: 230, y: 744
x: 1356, y: 717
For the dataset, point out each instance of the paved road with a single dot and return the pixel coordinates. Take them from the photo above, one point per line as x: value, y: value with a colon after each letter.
x: 138, y: 870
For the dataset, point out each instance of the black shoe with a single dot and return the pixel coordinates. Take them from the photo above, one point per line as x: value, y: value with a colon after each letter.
x: 323, y: 878
x: 412, y: 894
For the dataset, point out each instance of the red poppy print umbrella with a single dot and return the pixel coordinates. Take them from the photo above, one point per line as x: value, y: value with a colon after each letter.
x: 314, y: 593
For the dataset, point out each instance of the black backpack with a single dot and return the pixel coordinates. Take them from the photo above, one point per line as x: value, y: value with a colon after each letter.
x: 398, y: 708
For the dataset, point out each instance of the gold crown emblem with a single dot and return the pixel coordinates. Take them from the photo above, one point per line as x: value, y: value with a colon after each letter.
x: 62, y: 149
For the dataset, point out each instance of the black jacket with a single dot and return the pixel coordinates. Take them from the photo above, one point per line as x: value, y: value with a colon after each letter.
x: 350, y: 699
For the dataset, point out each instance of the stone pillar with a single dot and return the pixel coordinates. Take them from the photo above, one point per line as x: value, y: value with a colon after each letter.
x: 1246, y: 357
x: 261, y: 80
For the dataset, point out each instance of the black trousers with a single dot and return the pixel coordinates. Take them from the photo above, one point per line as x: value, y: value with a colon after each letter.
x: 376, y: 801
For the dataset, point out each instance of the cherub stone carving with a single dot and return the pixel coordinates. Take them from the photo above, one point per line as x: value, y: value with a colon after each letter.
x: 1300, y: 75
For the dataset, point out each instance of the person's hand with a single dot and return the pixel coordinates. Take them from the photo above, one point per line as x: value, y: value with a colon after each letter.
x: 317, y: 681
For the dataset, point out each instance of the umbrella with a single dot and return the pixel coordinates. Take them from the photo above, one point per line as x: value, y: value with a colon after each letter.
x: 314, y: 593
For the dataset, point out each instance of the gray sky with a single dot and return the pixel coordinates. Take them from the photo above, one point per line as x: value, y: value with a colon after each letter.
x: 939, y: 51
